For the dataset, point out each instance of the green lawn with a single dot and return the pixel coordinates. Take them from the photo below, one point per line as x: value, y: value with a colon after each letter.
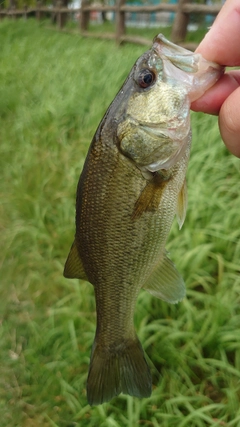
x: 54, y: 89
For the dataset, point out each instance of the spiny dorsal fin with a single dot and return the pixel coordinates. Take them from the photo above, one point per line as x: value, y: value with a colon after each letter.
x: 182, y: 205
x: 73, y: 267
x: 165, y: 282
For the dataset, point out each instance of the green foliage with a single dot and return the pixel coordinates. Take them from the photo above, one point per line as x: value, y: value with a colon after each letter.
x: 54, y: 89
x: 18, y: 3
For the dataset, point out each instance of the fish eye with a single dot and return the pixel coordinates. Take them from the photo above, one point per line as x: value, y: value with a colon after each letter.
x: 146, y: 78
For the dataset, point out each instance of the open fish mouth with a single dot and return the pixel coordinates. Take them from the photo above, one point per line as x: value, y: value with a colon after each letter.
x: 196, y: 73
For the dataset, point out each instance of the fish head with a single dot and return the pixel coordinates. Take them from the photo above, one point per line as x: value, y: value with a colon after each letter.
x: 155, y: 126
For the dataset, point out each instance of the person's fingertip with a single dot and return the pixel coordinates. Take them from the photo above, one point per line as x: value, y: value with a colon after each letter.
x: 221, y: 43
x: 213, y: 99
x: 229, y: 122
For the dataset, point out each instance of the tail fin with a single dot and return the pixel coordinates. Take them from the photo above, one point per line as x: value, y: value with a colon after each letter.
x: 119, y: 369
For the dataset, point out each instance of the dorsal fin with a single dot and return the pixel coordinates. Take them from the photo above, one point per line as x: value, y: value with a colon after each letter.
x: 73, y: 267
x: 165, y: 282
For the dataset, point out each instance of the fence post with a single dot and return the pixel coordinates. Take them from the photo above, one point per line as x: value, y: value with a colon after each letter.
x: 39, y: 13
x: 25, y: 12
x: 84, y: 16
x: 120, y: 20
x: 14, y: 13
x: 180, y: 24
x: 54, y: 14
x: 65, y: 14
x: 12, y: 8
x: 61, y: 15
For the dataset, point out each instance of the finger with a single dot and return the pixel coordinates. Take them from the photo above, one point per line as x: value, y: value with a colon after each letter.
x: 213, y: 99
x: 221, y: 43
x: 229, y: 122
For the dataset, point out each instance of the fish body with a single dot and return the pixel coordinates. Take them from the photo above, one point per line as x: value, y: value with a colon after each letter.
x: 131, y: 187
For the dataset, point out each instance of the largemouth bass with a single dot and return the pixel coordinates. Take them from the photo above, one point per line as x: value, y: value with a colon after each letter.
x: 131, y: 187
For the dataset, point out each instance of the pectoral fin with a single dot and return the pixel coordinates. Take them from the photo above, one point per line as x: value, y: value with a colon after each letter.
x: 182, y: 205
x: 165, y: 282
x: 149, y: 199
x: 73, y: 267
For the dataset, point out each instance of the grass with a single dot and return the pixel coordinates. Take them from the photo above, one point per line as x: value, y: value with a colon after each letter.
x: 54, y: 89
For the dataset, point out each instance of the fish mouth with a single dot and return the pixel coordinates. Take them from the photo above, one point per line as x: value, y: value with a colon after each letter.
x: 182, y: 58
x: 186, y: 67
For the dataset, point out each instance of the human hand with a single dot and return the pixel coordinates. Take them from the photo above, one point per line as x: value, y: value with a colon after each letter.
x: 222, y: 45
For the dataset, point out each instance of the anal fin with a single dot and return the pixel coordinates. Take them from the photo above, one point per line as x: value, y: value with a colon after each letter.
x: 165, y: 282
x: 73, y: 268
x: 182, y: 205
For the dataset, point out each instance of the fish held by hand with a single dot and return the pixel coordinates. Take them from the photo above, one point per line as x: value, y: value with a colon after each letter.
x: 131, y: 187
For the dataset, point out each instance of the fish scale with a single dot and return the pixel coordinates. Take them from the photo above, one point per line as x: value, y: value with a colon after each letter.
x: 131, y: 187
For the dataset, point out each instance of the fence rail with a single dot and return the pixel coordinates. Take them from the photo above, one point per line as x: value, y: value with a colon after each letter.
x: 59, y: 13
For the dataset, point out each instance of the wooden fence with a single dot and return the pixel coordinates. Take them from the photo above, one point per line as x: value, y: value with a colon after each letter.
x: 60, y: 12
